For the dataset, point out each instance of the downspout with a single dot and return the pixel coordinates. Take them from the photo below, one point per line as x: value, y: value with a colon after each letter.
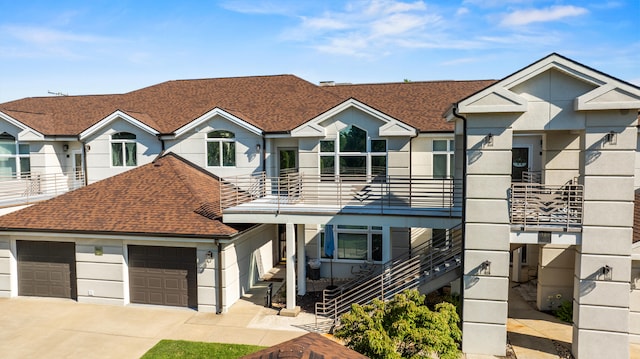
x: 464, y: 203
x: 219, y: 278
x: 263, y: 154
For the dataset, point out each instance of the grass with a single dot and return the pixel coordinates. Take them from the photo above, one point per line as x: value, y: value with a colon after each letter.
x: 187, y: 349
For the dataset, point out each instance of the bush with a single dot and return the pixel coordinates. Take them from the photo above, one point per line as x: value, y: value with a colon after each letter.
x: 565, y: 311
x: 403, y: 327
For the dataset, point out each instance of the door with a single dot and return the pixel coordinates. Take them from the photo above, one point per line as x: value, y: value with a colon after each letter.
x: 78, y: 168
x: 526, y: 159
x: 287, y: 160
x: 163, y: 276
x: 46, y: 269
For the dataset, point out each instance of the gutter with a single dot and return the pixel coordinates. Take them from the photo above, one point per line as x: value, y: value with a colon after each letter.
x: 464, y: 203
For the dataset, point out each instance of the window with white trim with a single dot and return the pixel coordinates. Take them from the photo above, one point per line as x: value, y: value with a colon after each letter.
x: 14, y: 157
x: 123, y: 150
x: 221, y: 149
x: 353, y: 154
x: 443, y: 164
x: 355, y: 243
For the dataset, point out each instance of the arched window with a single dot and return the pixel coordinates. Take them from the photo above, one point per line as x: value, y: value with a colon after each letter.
x: 14, y: 157
x: 123, y: 149
x: 221, y: 149
x: 355, y: 155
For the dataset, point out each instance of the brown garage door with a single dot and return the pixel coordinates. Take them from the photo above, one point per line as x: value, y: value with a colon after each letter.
x: 163, y: 276
x: 46, y: 269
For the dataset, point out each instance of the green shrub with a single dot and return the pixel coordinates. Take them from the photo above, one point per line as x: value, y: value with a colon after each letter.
x: 403, y: 327
x: 565, y: 311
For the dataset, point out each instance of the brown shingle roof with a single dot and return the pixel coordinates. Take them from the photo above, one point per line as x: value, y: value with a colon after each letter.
x: 308, y: 346
x: 419, y: 104
x: 272, y: 103
x: 167, y: 197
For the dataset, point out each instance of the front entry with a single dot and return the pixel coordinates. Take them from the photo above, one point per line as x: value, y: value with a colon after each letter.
x: 526, y: 159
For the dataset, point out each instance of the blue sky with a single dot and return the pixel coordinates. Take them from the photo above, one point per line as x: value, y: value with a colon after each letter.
x: 97, y: 47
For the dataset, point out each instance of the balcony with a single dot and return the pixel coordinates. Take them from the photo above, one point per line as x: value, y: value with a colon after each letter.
x: 308, y: 194
x: 539, y: 207
x: 33, y: 187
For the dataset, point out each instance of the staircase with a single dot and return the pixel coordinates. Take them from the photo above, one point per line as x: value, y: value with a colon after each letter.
x: 426, y: 267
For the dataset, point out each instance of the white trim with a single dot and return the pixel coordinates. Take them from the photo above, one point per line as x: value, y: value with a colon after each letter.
x: 24, y: 128
x: 392, y: 126
x: 589, y: 101
x: 113, y: 117
x: 207, y: 116
x: 143, y: 237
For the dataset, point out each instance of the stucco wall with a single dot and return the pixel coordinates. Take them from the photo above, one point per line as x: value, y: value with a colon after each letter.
x: 193, y: 147
x: 98, y: 156
x: 555, y: 276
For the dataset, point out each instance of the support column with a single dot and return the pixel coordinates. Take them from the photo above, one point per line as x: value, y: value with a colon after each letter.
x: 291, y: 310
x: 603, y: 260
x: 487, y: 234
x: 515, y: 265
x: 301, y: 261
x: 387, y: 245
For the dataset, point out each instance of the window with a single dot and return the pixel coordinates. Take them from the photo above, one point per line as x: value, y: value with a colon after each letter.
x: 443, y: 165
x: 356, y: 243
x: 355, y: 154
x: 221, y: 149
x: 14, y: 157
x: 123, y: 149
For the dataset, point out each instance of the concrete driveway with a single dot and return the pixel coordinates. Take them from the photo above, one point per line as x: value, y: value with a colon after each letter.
x: 59, y: 328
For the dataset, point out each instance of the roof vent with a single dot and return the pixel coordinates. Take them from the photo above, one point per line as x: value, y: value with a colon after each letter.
x: 327, y: 83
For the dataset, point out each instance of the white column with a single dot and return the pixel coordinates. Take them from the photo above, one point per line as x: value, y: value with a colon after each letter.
x: 302, y: 273
x: 515, y: 269
x: 291, y: 271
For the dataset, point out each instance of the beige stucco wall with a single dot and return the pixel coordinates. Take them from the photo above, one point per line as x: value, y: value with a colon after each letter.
x: 98, y: 156
x: 555, y: 276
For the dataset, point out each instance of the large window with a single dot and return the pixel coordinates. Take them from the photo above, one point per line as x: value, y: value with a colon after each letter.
x: 221, y: 149
x: 353, y: 154
x: 123, y: 149
x: 355, y: 243
x: 443, y: 165
x: 14, y: 157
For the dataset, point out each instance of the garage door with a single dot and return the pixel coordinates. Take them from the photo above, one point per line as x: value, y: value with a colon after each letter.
x: 163, y: 276
x: 46, y: 269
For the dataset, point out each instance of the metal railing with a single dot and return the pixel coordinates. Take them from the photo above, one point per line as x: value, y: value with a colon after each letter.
x: 28, y: 188
x: 422, y: 264
x: 534, y: 205
x: 342, y: 191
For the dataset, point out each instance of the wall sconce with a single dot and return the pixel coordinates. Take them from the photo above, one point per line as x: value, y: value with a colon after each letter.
x: 488, y: 139
x: 485, y: 268
x: 611, y: 138
x: 258, y: 147
x: 87, y: 148
x: 606, y: 272
x: 209, y: 256
x: 65, y: 147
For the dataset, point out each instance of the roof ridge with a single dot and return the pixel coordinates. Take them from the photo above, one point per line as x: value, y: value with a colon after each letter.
x: 196, y: 195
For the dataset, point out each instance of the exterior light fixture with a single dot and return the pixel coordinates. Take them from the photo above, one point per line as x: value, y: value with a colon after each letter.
x: 209, y: 256
x: 65, y: 147
x: 488, y: 139
x: 258, y: 147
x: 485, y: 268
x: 611, y: 138
x: 606, y: 272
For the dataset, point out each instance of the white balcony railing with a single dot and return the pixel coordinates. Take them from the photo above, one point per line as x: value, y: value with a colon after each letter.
x: 342, y: 192
x: 535, y: 206
x: 33, y: 187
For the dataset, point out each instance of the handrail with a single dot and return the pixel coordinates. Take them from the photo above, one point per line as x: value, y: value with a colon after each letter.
x: 32, y: 187
x: 373, y: 192
x: 533, y: 205
x: 422, y: 264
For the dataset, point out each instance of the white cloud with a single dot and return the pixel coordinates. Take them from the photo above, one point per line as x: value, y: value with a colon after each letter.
x: 553, y: 13
x: 462, y: 11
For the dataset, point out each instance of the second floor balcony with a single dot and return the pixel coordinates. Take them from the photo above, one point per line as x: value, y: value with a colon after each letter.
x: 27, y: 188
x: 302, y: 193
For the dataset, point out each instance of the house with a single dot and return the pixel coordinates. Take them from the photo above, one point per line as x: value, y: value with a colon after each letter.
x: 415, y: 184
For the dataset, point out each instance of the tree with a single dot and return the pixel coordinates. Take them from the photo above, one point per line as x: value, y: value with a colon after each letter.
x: 403, y: 327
